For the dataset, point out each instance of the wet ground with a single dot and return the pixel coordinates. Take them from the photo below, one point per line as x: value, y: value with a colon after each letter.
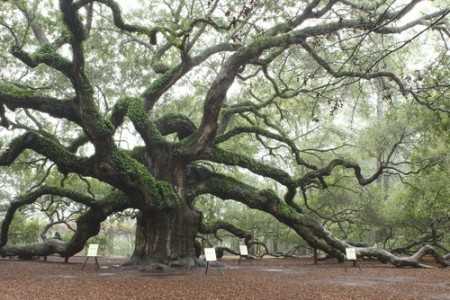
x: 270, y: 278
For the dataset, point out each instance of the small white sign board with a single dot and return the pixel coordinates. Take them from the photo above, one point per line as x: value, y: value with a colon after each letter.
x: 350, y: 253
x: 243, y: 250
x: 92, y: 250
x: 210, y: 254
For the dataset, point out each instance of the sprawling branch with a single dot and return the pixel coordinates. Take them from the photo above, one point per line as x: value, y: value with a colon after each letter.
x: 326, y: 171
x: 212, y: 226
x: 66, y: 161
x: 14, y: 97
x: 46, y: 54
x: 88, y: 224
x: 266, y: 200
x: 309, y: 228
x: 117, y: 16
x: 30, y: 198
x: 257, y: 167
x: 259, y: 131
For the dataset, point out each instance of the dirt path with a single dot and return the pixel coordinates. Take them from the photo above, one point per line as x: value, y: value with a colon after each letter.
x: 266, y: 279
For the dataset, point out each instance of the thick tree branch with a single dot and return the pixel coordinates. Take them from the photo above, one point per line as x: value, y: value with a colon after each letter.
x: 133, y: 108
x: 88, y: 224
x: 31, y: 197
x: 259, y: 131
x: 65, y: 160
x: 176, y: 123
x: 46, y: 54
x: 14, y: 97
x: 212, y: 226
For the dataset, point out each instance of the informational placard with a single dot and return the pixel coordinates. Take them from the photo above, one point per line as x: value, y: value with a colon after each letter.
x: 350, y: 253
x: 92, y: 250
x: 210, y: 254
x: 243, y: 250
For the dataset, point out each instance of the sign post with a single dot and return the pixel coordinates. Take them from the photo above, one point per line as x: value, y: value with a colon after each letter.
x: 350, y: 253
x: 243, y: 253
x: 210, y: 255
x: 92, y: 252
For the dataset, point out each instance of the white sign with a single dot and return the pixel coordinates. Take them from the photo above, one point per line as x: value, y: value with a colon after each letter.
x: 243, y: 250
x: 92, y: 250
x: 351, y: 253
x: 210, y: 254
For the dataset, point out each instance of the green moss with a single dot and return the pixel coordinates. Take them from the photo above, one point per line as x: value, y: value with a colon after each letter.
x: 125, y: 164
x: 13, y: 90
x: 286, y: 211
x: 163, y: 194
x: 136, y: 112
x: 137, y: 153
x: 47, y: 54
x: 103, y: 127
x: 121, y: 105
x: 115, y: 198
x: 63, y: 158
x: 159, y: 67
x: 160, y: 82
x: 255, y: 48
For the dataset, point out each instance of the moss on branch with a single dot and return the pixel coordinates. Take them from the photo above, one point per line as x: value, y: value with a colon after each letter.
x: 160, y: 194
x: 12, y: 90
x: 133, y: 108
x: 235, y: 159
x: 212, y: 226
x: 65, y: 160
x: 46, y: 54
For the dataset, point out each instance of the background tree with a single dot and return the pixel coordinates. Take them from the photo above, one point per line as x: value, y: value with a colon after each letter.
x: 239, y: 100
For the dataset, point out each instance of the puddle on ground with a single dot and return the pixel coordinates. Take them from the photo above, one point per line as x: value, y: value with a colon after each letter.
x: 106, y: 274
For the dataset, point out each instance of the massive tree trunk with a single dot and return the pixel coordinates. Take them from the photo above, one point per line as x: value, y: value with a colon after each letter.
x: 166, y: 237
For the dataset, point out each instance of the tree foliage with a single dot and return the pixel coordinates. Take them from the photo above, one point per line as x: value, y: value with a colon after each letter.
x: 266, y: 103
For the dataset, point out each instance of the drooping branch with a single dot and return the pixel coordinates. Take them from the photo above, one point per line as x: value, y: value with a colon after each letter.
x: 326, y: 171
x: 266, y: 200
x: 309, y: 228
x: 411, y: 261
x: 30, y: 198
x: 212, y: 226
x: 88, y: 224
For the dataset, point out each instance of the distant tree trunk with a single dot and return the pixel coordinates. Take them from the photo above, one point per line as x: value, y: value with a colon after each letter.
x: 275, y: 246
x: 382, y: 94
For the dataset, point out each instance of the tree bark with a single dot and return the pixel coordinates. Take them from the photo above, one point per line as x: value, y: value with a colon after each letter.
x: 166, y: 238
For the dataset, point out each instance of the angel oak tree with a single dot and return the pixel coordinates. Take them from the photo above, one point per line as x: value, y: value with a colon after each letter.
x: 216, y: 82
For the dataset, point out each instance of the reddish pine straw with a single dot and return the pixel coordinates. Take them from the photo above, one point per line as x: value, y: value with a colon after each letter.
x: 269, y: 278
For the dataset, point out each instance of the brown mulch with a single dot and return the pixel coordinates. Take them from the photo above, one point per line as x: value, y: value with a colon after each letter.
x: 269, y: 278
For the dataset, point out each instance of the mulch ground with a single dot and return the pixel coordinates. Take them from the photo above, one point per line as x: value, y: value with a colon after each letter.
x: 269, y: 278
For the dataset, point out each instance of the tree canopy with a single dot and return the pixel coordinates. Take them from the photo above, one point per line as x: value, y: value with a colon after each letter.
x: 289, y: 107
